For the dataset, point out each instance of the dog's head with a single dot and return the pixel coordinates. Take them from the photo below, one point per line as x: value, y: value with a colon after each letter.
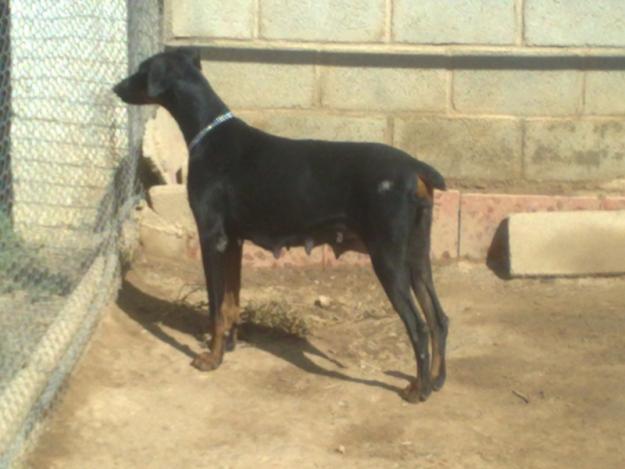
x: 157, y: 75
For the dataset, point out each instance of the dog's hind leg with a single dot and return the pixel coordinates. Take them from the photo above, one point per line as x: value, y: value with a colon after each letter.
x: 394, y: 275
x: 423, y: 287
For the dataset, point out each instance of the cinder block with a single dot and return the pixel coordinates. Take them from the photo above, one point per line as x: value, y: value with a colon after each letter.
x: 323, y: 20
x: 171, y: 203
x: 574, y: 150
x: 458, y: 22
x: 445, y: 234
x: 34, y: 213
x: 464, y: 148
x: 47, y: 196
x: 567, y: 243
x: 575, y: 22
x: 601, y: 89
x: 319, y: 125
x: 371, y: 89
x: 249, y: 85
x: 518, y: 92
x: 212, y: 18
x: 161, y: 239
x: 481, y: 215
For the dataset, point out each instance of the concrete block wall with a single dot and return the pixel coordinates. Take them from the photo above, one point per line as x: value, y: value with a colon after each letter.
x: 68, y: 131
x: 491, y: 92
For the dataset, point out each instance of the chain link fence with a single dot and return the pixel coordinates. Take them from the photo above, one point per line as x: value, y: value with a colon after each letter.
x: 68, y: 158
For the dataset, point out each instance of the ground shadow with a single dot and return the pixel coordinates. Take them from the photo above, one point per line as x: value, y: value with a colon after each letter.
x: 400, y: 375
x: 152, y: 312
x: 498, y: 257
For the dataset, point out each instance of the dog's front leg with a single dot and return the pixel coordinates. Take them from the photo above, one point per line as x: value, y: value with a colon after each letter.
x: 213, y: 259
x: 231, y: 305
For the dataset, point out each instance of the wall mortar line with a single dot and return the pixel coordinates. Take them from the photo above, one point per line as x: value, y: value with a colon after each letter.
x: 388, y: 22
x: 257, y: 13
x: 582, y: 109
x: 317, y: 80
x: 451, y: 111
x: 520, y: 20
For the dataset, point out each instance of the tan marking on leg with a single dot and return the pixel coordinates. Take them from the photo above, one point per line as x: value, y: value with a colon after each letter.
x: 436, y: 354
x: 230, y: 312
x: 208, y: 361
x: 411, y: 392
x: 231, y: 305
x: 428, y: 311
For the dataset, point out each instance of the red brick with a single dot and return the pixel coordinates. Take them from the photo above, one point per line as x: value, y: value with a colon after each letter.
x: 348, y: 258
x: 254, y: 256
x: 481, y: 214
x: 613, y: 203
x: 563, y: 203
x: 445, y: 225
x: 297, y: 257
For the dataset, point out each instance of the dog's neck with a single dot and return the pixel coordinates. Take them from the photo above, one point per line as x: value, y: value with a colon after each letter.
x: 195, y: 105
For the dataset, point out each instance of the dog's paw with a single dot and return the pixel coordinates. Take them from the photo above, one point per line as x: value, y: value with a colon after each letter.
x: 206, y: 361
x: 416, y: 392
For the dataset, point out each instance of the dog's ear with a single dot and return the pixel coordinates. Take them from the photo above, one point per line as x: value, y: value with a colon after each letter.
x: 159, y: 79
x: 193, y: 54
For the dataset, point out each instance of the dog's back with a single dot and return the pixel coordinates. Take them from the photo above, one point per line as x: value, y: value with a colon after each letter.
x: 284, y: 186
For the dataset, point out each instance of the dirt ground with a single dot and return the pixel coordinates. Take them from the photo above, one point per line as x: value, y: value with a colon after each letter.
x: 536, y: 379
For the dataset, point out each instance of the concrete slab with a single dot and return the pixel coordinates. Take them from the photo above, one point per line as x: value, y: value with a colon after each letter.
x: 494, y: 152
x: 161, y: 239
x: 482, y: 214
x: 323, y: 20
x: 318, y: 124
x: 567, y: 243
x: 165, y: 149
x: 574, y: 149
x: 488, y: 22
x: 170, y: 201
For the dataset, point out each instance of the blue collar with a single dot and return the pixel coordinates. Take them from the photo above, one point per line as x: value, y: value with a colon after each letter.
x: 202, y: 133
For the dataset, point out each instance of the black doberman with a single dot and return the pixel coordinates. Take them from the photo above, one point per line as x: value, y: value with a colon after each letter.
x: 245, y: 184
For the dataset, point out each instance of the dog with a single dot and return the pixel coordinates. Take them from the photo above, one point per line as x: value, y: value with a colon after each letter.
x: 245, y: 184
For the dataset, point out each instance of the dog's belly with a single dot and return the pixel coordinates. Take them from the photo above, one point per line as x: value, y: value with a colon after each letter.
x: 338, y: 236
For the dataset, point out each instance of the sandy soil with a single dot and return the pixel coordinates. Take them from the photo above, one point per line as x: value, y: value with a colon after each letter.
x: 536, y: 379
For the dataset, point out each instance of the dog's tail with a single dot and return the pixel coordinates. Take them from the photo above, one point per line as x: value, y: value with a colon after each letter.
x: 432, y: 178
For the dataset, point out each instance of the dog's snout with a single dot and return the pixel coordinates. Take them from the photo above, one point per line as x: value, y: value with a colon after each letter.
x: 128, y: 92
x: 118, y: 89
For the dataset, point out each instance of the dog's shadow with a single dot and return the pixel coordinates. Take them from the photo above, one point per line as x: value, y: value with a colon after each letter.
x: 152, y: 312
